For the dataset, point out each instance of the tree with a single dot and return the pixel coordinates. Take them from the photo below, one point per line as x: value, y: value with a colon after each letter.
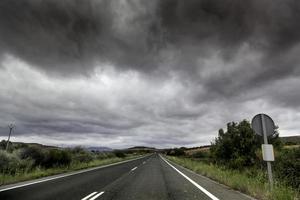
x: 176, y: 152
x: 236, y: 147
x: 2, y: 144
x: 275, y: 140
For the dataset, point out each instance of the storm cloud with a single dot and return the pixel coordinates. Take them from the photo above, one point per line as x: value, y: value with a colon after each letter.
x: 146, y: 72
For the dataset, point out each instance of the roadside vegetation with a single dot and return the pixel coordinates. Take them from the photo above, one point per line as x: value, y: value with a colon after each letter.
x: 26, y: 161
x: 235, y: 159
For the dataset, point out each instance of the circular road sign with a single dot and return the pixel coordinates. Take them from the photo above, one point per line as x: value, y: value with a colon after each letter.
x: 257, y: 124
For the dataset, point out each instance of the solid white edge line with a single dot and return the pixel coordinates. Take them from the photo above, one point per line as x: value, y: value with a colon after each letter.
x: 95, y: 197
x: 88, y: 196
x: 190, y: 180
x: 133, y: 169
x: 66, y: 175
x: 220, y: 184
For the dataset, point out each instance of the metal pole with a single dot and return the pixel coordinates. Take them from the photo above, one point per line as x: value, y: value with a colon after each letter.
x: 10, y: 130
x: 269, y: 167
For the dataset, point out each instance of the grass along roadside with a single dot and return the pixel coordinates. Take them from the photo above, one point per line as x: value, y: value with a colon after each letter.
x: 39, y: 172
x: 249, y: 182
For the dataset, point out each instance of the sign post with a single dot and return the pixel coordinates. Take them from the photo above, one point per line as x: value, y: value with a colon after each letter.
x: 269, y: 167
x: 263, y: 125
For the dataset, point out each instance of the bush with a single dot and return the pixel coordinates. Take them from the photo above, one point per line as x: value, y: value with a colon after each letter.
x: 46, y: 158
x: 37, y: 154
x: 77, y: 150
x: 120, y: 154
x: 176, y: 152
x: 3, y: 144
x: 287, y: 166
x: 83, y: 157
x: 56, y: 157
x: 10, y: 163
x: 236, y: 148
x: 104, y: 155
x: 4, y: 161
x: 200, y: 154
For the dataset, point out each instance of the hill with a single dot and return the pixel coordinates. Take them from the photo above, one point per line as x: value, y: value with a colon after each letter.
x: 291, y: 140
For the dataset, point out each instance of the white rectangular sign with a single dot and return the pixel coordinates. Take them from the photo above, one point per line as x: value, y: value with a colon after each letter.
x: 267, y: 152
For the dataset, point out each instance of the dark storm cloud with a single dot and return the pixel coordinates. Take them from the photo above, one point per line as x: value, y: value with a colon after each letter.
x: 267, y: 27
x: 271, y: 25
x: 69, y: 36
x: 178, y: 65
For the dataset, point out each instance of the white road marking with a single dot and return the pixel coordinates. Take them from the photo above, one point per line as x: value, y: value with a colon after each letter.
x: 95, y: 197
x: 88, y: 196
x: 144, y: 162
x: 190, y: 180
x: 5, y: 188
x: 133, y: 169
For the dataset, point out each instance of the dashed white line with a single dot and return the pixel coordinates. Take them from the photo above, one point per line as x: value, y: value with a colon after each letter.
x: 190, y: 180
x: 88, y: 196
x: 92, y: 196
x: 133, y: 169
x: 96, y: 196
x: 144, y: 162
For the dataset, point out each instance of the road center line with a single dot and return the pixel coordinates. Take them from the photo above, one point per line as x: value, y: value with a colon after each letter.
x: 190, y: 180
x: 133, y: 168
x: 88, y: 196
x: 95, y: 197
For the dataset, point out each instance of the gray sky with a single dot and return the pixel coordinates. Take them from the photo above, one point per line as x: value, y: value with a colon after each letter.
x: 157, y: 73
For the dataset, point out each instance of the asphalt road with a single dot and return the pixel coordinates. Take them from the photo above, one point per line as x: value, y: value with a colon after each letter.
x: 151, y: 177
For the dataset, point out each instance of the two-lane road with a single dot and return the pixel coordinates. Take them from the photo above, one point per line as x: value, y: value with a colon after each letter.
x: 151, y: 177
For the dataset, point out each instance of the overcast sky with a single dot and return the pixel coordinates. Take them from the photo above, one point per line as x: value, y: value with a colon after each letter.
x: 163, y: 73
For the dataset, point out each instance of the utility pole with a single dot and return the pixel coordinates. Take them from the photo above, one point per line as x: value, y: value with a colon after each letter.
x: 11, y: 127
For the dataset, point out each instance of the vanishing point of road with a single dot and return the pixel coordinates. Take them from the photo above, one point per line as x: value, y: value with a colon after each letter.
x: 148, y: 178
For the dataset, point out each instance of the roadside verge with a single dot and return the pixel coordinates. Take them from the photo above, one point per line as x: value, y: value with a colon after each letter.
x: 238, y: 180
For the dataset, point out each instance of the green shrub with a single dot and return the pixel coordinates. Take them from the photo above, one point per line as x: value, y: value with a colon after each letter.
x: 287, y: 166
x: 11, y: 163
x: 176, y: 152
x: 119, y: 154
x: 77, y: 150
x: 37, y: 154
x: 236, y: 148
x: 57, y: 157
x: 201, y: 154
x: 104, y: 155
x: 4, y: 161
x: 2, y: 144
x: 83, y: 157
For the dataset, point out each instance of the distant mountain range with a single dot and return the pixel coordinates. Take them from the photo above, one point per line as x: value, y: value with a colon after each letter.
x: 141, y: 148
